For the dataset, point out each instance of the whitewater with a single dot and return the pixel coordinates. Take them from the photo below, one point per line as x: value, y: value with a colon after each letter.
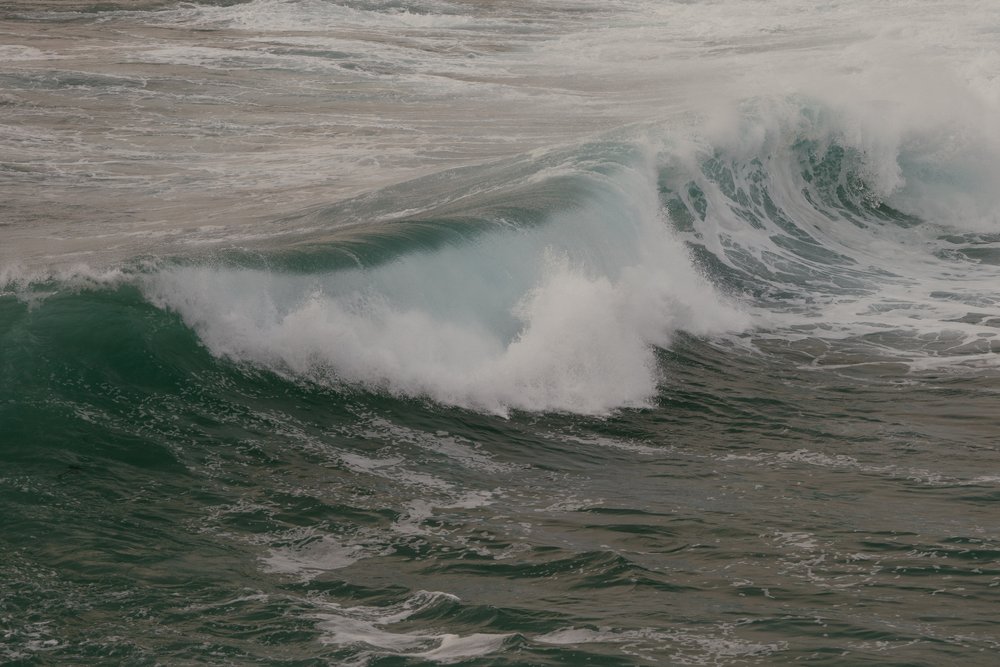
x: 406, y: 332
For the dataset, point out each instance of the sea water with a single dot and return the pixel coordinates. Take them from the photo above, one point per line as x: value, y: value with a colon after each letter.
x: 543, y: 332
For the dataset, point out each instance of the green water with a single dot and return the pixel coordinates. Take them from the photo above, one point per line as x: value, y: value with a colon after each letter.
x: 162, y: 506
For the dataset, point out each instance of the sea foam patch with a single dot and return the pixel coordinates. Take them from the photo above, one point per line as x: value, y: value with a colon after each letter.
x: 369, y: 629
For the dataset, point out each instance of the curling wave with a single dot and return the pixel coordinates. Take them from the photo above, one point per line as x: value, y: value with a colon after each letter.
x: 563, y: 315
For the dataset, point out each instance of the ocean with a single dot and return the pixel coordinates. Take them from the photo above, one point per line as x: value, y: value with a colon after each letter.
x: 538, y: 332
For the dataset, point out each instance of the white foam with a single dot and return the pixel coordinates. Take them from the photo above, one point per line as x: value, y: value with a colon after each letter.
x: 316, y: 15
x: 927, y: 159
x: 34, y: 284
x: 366, y: 628
x: 840, y: 461
x: 560, y: 317
x: 799, y: 540
x: 459, y: 450
x: 684, y: 647
x: 310, y: 558
x: 19, y: 52
x: 454, y: 647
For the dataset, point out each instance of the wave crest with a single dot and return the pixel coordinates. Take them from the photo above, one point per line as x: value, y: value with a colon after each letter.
x: 562, y: 316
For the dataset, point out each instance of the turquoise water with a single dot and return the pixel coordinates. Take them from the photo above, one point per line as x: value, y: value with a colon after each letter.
x: 377, y: 334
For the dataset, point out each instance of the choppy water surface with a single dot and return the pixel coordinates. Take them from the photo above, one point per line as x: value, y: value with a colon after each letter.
x: 531, y: 333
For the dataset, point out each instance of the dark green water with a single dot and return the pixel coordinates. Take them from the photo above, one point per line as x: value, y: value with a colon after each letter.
x: 162, y: 506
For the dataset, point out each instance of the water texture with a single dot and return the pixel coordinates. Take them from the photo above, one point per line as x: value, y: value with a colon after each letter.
x: 381, y: 332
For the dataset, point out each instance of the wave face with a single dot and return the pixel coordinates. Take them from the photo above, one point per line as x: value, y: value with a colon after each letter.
x: 377, y: 332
